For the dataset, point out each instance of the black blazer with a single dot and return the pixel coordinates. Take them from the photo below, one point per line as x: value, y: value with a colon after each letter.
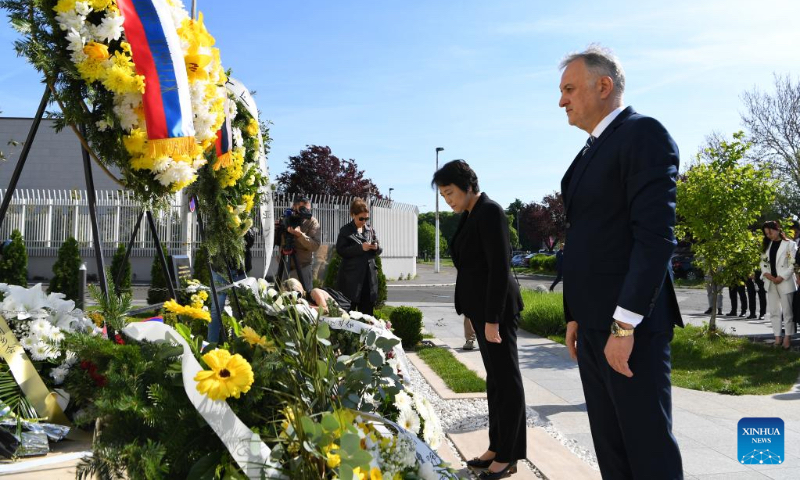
x: 481, y: 250
x: 619, y: 200
x: 356, y: 263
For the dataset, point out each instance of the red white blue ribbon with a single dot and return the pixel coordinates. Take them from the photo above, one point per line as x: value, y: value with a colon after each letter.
x: 157, y: 54
x: 224, y: 141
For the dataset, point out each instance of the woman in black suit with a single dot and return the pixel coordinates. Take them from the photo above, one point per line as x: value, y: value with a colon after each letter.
x: 487, y: 294
x: 358, y: 246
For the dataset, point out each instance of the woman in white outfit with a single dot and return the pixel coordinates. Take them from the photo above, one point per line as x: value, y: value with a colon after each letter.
x: 777, y: 265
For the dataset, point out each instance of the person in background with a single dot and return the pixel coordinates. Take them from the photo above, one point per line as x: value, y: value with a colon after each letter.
x: 710, y: 294
x: 559, y: 265
x: 306, y: 241
x: 358, y: 246
x: 469, y: 335
x: 318, y: 297
x: 753, y: 281
x: 734, y: 291
x: 777, y: 265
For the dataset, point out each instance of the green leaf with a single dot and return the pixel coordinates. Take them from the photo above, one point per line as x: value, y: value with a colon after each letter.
x: 375, y: 358
x: 323, y: 331
x: 330, y: 423
x: 204, y: 468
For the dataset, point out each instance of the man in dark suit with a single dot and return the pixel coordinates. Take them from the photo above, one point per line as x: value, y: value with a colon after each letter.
x: 619, y: 301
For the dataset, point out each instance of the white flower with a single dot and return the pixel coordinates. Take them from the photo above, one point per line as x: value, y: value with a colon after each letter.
x: 161, y: 164
x: 75, y: 46
x: 238, y: 141
x: 110, y: 28
x: 355, y: 315
x: 58, y: 374
x: 178, y: 172
x: 70, y: 358
x: 29, y: 342
x: 427, y: 472
x: 262, y: 285
x: 40, y: 351
x: 402, y: 400
x: 83, y: 8
x: 57, y: 336
x: 228, y: 310
x: 71, y: 21
x: 40, y: 328
x: 101, y: 125
x: 368, y: 398
x: 409, y: 420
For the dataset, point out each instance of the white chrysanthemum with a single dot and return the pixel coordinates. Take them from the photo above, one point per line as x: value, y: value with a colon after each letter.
x: 232, y: 108
x: 40, y: 351
x: 128, y: 119
x: 40, y: 328
x: 402, y: 401
x: 161, y: 164
x: 57, y: 336
x: 83, y: 8
x: 198, y: 162
x: 238, y: 141
x: 72, y: 21
x: 409, y: 420
x: 101, y: 125
x: 110, y: 28
x: 178, y: 172
x: 70, y: 358
x: 29, y: 342
x: 76, y: 44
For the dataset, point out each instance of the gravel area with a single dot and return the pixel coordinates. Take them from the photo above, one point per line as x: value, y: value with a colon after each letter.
x: 472, y: 414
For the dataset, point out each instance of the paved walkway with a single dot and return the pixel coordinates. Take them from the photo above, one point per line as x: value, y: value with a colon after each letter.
x: 704, y: 423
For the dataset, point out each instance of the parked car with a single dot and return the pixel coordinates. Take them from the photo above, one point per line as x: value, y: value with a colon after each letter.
x: 519, y: 260
x: 545, y: 251
x: 683, y: 267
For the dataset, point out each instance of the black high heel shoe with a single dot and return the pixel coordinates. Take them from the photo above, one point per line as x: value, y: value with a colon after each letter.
x: 478, y: 463
x: 510, y: 469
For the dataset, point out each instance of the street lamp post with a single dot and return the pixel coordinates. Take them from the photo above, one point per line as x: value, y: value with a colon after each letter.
x: 390, y: 193
x: 436, y: 265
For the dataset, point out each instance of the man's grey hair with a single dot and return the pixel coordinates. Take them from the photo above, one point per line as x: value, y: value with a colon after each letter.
x: 601, y: 62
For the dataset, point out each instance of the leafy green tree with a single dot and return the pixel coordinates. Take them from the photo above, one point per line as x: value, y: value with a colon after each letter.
x: 513, y: 235
x: 117, y: 266
x: 14, y: 262
x: 158, y: 291
x: 66, y: 270
x: 426, y: 240
x: 448, y: 222
x: 383, y: 292
x: 717, y: 201
x: 200, y: 266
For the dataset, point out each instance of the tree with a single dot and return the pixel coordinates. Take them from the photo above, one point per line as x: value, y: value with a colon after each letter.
x: 66, y: 270
x: 14, y: 261
x: 117, y: 266
x: 717, y: 203
x: 514, y: 212
x: 774, y: 125
x: 448, y: 223
x: 426, y: 240
x: 158, y: 291
x: 513, y: 236
x: 545, y: 221
x: 317, y: 171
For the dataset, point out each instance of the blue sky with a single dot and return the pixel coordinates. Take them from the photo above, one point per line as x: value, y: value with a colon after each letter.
x: 386, y: 82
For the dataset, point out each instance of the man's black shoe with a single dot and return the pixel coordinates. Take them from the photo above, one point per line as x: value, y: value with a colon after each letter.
x: 751, y: 316
x: 707, y: 312
x: 732, y: 313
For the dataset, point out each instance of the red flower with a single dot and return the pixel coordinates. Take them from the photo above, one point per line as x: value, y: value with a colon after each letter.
x: 118, y: 339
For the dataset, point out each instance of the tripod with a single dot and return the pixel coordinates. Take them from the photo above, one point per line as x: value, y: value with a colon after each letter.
x: 289, y: 257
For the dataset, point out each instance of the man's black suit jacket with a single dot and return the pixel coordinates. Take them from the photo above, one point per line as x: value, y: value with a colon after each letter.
x: 619, y: 199
x: 481, y: 250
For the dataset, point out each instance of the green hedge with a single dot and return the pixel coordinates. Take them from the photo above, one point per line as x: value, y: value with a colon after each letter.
x: 66, y: 270
x: 158, y: 291
x: 14, y: 262
x: 407, y: 324
x: 545, y: 263
x: 543, y: 313
x: 117, y: 266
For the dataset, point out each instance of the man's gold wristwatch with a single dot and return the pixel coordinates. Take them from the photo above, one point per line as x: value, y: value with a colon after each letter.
x: 619, y: 332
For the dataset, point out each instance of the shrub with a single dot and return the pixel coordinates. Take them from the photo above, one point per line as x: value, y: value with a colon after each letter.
x: 333, y: 270
x: 543, y: 313
x: 14, y: 263
x: 383, y: 293
x: 407, y: 324
x: 200, y: 266
x: 117, y: 266
x: 545, y: 263
x: 66, y: 270
x: 158, y: 291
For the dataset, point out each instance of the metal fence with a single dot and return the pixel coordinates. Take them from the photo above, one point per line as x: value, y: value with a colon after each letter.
x: 46, y: 218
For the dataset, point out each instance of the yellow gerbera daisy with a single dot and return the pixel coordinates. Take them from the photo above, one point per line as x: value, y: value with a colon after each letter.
x: 230, y: 375
x: 375, y: 474
x: 253, y: 338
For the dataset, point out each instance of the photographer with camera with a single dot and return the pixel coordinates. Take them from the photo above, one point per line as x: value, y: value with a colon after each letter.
x: 358, y: 246
x: 299, y: 236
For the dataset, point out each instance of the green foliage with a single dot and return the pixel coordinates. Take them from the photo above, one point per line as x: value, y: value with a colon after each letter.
x: 717, y: 203
x: 543, y: 313
x: 426, y: 240
x: 66, y: 270
x: 158, y: 291
x: 200, y: 266
x: 117, y: 266
x: 407, y: 324
x: 383, y: 292
x: 448, y: 222
x: 513, y: 235
x: 544, y: 263
x: 455, y: 374
x: 14, y: 264
x: 114, y: 307
x: 333, y: 270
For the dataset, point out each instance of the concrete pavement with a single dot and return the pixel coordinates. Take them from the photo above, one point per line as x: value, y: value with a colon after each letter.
x: 704, y: 423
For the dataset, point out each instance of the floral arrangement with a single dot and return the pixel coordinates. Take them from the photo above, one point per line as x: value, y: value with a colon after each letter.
x: 84, y: 53
x: 41, y: 323
x: 319, y: 405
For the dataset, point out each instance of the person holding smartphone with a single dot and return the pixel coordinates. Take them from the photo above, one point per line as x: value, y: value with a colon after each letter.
x: 358, y: 246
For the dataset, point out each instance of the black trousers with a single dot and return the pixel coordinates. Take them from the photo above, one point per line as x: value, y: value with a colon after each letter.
x: 751, y: 295
x: 740, y: 291
x: 504, y: 392
x: 555, y: 282
x: 364, y: 304
x: 631, y: 418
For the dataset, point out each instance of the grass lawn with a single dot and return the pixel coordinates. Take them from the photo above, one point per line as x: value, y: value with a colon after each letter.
x: 684, y: 283
x: 383, y: 312
x: 456, y: 376
x: 444, y: 262
x: 730, y: 365
x: 720, y: 363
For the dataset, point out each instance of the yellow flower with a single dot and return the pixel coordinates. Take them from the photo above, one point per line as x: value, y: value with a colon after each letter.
x: 91, y: 70
x: 248, y: 201
x: 375, y: 474
x: 136, y: 141
x: 333, y: 460
x: 99, y: 5
x: 358, y: 474
x: 178, y: 309
x: 230, y: 375
x: 196, y: 64
x: 252, y: 127
x: 142, y: 163
x: 64, y: 6
x: 96, y: 51
x: 121, y: 80
x: 203, y: 295
x: 253, y: 338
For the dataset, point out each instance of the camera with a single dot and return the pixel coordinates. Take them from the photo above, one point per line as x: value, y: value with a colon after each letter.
x: 295, y: 218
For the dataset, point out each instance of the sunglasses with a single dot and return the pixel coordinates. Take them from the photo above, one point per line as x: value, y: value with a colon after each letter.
x: 363, y: 219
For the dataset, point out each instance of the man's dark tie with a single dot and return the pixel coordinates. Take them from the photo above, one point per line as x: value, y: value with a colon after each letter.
x: 589, y: 142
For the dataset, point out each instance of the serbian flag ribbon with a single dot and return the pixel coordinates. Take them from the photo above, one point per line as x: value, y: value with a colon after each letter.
x: 224, y: 140
x: 157, y: 54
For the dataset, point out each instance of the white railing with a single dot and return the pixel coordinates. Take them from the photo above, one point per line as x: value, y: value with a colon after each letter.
x: 46, y: 218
